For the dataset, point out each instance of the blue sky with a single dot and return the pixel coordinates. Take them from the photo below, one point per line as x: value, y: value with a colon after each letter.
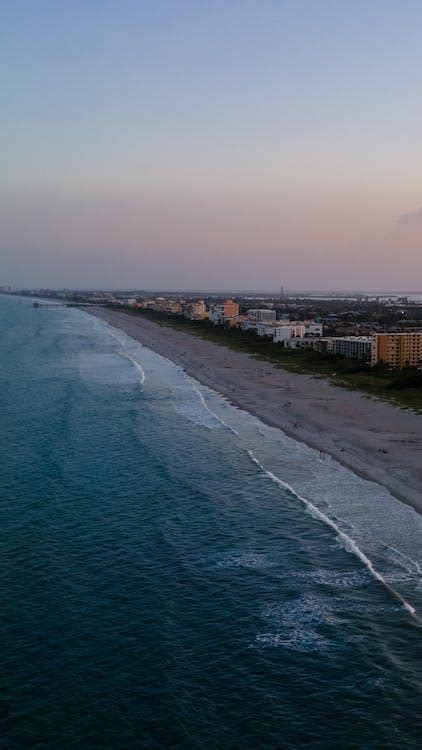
x: 163, y: 137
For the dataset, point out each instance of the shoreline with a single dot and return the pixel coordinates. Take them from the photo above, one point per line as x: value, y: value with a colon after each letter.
x: 377, y: 441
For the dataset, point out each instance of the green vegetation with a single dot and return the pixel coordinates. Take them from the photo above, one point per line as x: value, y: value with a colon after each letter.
x: 400, y: 387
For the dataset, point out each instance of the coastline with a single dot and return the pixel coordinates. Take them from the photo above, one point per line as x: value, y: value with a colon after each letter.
x: 372, y: 438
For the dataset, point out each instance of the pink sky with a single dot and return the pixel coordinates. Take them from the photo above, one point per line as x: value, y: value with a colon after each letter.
x: 211, y: 145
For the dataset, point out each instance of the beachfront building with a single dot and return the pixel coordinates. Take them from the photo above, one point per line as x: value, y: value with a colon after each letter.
x: 196, y: 310
x: 312, y: 328
x: 248, y: 324
x: 225, y: 311
x: 230, y: 309
x: 160, y: 304
x: 397, y: 349
x: 216, y: 314
x: 236, y: 321
x: 283, y: 332
x: 174, y: 307
x: 262, y: 315
x: 266, y: 329
x: 353, y: 347
x: 319, y: 344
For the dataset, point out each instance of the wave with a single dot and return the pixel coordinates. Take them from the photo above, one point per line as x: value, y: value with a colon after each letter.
x: 246, y: 560
x: 344, y: 537
x: 404, y: 560
x: 296, y: 624
x: 142, y: 375
x: 123, y: 340
x: 349, y: 543
x: 203, y: 402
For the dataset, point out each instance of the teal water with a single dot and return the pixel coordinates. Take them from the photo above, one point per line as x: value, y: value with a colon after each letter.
x: 175, y: 574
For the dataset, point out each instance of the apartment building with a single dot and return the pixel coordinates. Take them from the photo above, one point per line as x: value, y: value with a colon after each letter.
x: 354, y: 347
x: 397, y: 349
x: 219, y: 313
x: 284, y: 332
x: 262, y: 315
x: 320, y: 344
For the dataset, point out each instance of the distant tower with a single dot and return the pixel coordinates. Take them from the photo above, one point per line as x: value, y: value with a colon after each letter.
x: 282, y: 292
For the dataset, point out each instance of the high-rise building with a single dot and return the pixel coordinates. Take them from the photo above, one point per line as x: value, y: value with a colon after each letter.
x: 397, y: 349
x: 230, y: 309
x: 221, y: 313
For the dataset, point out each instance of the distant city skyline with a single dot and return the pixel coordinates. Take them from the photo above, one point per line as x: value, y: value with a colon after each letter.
x: 226, y: 146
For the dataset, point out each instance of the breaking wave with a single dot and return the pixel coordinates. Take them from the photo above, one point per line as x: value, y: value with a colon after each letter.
x: 349, y: 543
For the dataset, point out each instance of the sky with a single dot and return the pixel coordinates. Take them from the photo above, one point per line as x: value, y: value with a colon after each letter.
x: 211, y: 144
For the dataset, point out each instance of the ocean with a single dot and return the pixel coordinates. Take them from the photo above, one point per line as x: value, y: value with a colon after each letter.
x: 176, y: 574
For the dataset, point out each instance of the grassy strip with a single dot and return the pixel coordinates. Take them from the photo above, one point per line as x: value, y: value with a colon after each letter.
x: 400, y: 387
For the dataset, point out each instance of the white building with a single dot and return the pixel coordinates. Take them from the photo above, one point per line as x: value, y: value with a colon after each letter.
x: 285, y: 331
x: 354, y: 347
x: 266, y: 329
x: 216, y: 314
x: 318, y: 343
x: 282, y: 333
x: 249, y: 325
x: 262, y: 314
x: 313, y: 329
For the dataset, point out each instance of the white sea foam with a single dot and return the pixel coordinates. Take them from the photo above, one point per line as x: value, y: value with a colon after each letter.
x: 136, y: 365
x: 246, y: 560
x: 412, y: 566
x: 106, y: 368
x: 295, y: 640
x: 352, y: 579
x: 296, y: 622
x: 365, y: 528
x: 202, y: 401
x: 124, y: 341
x: 116, y: 333
x: 308, y: 610
x: 348, y: 542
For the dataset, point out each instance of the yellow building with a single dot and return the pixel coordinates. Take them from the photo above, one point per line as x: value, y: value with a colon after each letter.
x: 397, y: 349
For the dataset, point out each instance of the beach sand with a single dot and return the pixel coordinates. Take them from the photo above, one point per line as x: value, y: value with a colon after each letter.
x: 379, y: 441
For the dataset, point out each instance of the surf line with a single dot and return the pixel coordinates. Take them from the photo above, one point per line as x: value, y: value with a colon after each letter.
x: 198, y: 391
x: 137, y: 365
x: 350, y: 544
x: 114, y: 333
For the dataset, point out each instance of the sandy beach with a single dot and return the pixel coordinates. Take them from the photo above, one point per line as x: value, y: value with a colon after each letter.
x: 376, y: 440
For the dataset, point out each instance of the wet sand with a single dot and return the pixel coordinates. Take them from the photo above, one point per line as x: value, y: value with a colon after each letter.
x: 373, y: 438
